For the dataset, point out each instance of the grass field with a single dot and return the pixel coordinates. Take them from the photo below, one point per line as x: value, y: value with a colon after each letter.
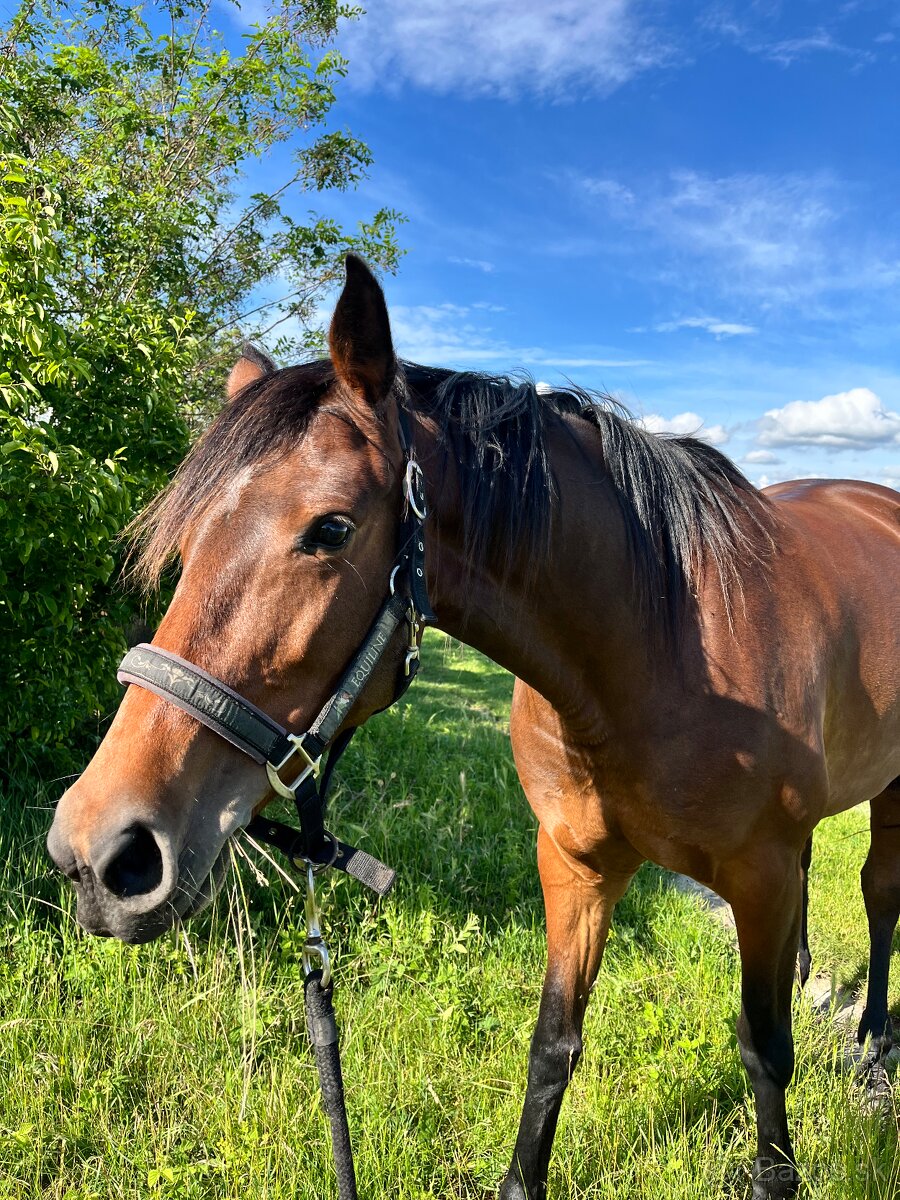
x: 176, y: 1071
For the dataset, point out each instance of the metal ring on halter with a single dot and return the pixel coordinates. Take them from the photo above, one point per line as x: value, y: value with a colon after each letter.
x: 414, y: 489
x: 317, y: 868
x: 391, y: 584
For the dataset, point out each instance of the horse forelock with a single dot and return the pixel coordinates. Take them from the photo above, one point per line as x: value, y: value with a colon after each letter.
x: 264, y: 421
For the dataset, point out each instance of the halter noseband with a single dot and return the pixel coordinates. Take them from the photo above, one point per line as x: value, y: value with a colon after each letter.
x: 227, y: 713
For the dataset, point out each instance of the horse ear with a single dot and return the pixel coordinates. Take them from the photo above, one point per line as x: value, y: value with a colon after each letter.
x: 360, y: 335
x: 252, y: 365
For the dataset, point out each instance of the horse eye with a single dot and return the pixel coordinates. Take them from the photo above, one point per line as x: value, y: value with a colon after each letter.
x: 331, y: 533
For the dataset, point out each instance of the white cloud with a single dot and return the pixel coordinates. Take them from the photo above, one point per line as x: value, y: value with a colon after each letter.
x: 764, y: 224
x: 502, y: 48
x: 610, y: 189
x: 461, y: 335
x: 759, y: 224
x: 856, y: 419
x: 478, y: 264
x: 762, y: 456
x: 777, y: 238
x: 441, y: 333
x: 886, y: 476
x: 755, y: 28
x: 542, y: 358
x: 789, y: 50
x: 764, y: 481
x: 711, y: 325
x: 686, y: 424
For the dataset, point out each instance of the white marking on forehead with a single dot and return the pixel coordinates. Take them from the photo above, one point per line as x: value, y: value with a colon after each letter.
x: 225, y: 503
x: 232, y: 494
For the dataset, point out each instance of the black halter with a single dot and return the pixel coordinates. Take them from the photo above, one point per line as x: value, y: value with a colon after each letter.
x: 247, y: 727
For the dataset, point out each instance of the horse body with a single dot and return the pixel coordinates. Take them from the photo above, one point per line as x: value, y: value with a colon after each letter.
x: 789, y: 706
x: 717, y: 762
x: 702, y: 672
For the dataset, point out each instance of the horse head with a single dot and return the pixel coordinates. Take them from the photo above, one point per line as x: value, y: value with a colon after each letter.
x: 286, y: 518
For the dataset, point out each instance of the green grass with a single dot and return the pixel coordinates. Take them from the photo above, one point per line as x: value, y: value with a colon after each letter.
x: 154, y: 1072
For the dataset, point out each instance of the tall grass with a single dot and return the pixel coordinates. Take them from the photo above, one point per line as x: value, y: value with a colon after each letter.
x: 181, y: 1069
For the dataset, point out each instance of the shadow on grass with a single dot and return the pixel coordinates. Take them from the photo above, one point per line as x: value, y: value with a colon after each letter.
x: 461, y: 688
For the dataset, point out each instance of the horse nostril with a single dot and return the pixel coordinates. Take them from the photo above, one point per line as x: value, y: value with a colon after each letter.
x: 135, y: 867
x: 61, y: 851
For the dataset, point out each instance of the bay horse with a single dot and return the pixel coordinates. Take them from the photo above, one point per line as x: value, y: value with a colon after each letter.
x: 703, y: 671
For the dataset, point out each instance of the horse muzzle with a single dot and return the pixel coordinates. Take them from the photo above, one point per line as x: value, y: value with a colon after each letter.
x: 132, y: 879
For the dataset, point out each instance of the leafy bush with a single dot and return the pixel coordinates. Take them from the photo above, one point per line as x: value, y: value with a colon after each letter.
x: 89, y: 428
x: 132, y: 264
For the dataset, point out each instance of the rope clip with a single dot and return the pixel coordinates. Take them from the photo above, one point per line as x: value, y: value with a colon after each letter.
x: 315, y: 947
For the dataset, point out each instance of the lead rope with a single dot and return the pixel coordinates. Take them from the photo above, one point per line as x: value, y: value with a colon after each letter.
x: 324, y: 1037
x: 310, y: 798
x: 318, y: 990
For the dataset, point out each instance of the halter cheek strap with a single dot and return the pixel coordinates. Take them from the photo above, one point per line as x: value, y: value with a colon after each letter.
x: 234, y: 718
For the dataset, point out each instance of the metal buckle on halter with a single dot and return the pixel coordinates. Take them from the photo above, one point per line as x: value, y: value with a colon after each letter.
x: 413, y: 652
x: 312, y: 768
x: 414, y: 489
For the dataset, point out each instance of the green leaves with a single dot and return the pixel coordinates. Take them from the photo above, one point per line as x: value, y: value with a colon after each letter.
x: 75, y: 387
x: 132, y: 263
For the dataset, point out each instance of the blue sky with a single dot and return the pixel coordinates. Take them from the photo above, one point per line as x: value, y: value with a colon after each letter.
x: 692, y: 206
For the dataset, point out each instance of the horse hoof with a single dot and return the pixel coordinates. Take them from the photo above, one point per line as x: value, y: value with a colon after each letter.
x: 513, y: 1189
x: 774, y: 1179
x: 880, y: 1032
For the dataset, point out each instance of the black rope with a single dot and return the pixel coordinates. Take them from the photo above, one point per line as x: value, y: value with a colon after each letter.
x: 323, y: 1034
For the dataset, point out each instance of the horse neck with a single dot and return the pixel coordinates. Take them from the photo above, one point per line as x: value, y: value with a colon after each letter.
x: 566, y: 622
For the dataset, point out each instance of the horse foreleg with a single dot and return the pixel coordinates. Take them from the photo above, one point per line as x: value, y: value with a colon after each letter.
x: 766, y: 897
x: 804, y: 958
x: 579, y: 906
x: 881, y: 892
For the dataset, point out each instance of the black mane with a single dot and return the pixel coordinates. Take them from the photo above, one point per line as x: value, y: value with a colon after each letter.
x: 684, y: 504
